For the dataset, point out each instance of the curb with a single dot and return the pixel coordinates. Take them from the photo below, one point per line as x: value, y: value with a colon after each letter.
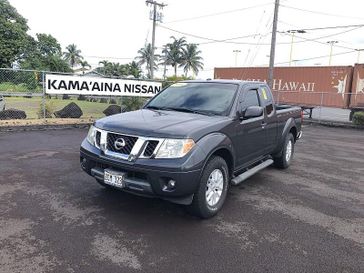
x: 336, y: 124
x: 43, y: 127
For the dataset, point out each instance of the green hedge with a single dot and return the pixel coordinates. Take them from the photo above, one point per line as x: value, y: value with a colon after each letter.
x: 358, y: 118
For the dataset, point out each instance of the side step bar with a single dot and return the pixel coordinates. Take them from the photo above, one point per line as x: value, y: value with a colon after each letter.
x: 240, y: 178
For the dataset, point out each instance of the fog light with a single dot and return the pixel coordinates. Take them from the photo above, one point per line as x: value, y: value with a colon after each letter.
x: 170, y: 185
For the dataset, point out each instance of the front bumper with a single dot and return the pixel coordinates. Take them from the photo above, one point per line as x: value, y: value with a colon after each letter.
x: 147, y: 177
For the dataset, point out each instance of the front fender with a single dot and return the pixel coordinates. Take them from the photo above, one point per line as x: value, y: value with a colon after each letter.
x: 215, y: 141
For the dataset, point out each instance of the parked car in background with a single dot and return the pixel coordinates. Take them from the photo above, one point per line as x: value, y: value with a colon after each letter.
x: 191, y: 141
x: 2, y: 103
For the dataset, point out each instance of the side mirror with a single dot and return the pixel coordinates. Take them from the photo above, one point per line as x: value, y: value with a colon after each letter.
x: 253, y: 112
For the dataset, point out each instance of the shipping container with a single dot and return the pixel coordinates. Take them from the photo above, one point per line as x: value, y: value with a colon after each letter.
x: 357, y: 89
x: 305, y: 86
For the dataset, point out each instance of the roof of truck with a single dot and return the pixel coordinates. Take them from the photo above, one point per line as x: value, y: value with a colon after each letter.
x: 240, y: 82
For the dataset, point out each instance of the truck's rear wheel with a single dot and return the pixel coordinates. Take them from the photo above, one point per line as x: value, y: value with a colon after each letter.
x: 211, y: 193
x: 286, y: 155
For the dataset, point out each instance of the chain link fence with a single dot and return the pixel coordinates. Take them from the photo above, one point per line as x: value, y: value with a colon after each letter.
x: 23, y: 96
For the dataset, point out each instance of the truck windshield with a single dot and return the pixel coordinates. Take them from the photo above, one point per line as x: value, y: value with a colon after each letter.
x: 200, y: 98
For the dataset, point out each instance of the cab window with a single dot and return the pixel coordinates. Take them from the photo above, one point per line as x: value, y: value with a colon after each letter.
x: 251, y: 99
x: 267, y: 99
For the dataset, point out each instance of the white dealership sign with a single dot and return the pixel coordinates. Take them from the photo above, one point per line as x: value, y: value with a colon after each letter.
x: 78, y: 85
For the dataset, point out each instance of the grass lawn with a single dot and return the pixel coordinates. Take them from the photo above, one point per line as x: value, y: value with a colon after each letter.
x: 32, y: 106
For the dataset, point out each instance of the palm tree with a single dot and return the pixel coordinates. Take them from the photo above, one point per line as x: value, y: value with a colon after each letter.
x: 191, y: 59
x: 134, y: 69
x: 173, y: 52
x: 72, y: 55
x: 144, y: 57
x: 104, y: 63
x: 84, y: 66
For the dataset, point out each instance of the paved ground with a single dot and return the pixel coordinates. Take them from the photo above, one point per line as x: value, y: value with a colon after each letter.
x: 54, y: 218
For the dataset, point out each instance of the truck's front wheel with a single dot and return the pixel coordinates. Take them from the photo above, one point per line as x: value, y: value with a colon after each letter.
x: 211, y: 193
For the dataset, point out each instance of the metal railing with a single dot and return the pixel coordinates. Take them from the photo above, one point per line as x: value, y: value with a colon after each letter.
x: 324, y: 105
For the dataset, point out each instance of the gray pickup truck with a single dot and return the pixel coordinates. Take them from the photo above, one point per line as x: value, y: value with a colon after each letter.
x: 192, y: 141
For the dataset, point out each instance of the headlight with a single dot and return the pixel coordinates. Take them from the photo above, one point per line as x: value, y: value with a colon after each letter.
x: 91, y: 136
x: 175, y: 148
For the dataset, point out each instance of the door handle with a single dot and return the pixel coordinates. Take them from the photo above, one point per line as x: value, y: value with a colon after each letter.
x: 263, y: 124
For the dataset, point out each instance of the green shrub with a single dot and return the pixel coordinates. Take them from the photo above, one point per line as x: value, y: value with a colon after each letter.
x: 132, y: 103
x: 49, y: 109
x: 358, y: 118
x: 81, y: 97
x: 11, y: 87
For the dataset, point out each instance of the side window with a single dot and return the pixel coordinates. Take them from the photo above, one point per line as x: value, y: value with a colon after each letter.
x: 251, y: 99
x: 267, y: 100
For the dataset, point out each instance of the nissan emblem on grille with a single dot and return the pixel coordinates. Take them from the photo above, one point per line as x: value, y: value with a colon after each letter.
x: 119, y: 143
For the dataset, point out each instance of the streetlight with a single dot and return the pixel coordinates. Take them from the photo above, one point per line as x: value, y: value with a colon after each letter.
x: 293, y: 31
x: 331, y: 45
x: 236, y: 52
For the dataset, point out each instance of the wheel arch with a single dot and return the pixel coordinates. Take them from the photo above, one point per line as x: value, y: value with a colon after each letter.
x: 218, y: 144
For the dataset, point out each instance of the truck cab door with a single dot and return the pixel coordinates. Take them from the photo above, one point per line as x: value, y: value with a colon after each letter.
x: 250, y: 135
x: 270, y: 118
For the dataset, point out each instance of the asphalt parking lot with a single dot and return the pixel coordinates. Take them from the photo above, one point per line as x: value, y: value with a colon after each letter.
x: 55, y: 218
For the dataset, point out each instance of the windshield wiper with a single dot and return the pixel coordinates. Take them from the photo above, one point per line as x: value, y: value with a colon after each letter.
x: 181, y: 109
x: 189, y: 110
x: 156, y: 108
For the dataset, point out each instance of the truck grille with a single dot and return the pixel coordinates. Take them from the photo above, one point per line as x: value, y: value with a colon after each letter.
x: 129, y: 142
x: 149, y: 149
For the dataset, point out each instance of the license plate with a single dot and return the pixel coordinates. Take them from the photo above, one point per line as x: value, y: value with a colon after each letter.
x: 113, y: 178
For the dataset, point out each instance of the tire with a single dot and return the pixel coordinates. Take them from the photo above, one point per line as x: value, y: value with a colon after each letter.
x: 202, y: 206
x: 286, y: 155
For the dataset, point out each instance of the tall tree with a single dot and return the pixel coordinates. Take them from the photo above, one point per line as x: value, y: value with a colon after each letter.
x: 72, y: 55
x: 190, y: 59
x: 13, y: 34
x: 84, y: 65
x: 144, y: 58
x: 44, y: 53
x: 173, y: 52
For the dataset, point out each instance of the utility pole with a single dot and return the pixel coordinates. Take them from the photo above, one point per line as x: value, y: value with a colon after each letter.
x: 273, y: 44
x: 293, y: 31
x: 331, y: 46
x: 154, y: 16
x: 165, y: 64
x: 236, y: 52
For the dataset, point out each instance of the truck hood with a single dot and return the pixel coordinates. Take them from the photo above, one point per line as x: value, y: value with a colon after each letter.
x: 160, y: 123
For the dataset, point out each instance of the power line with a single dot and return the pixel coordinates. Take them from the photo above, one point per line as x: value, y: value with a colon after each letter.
x: 320, y: 57
x: 212, y: 40
x: 333, y: 27
x: 234, y: 38
x: 321, y: 37
x: 298, y: 28
x: 219, y: 13
x: 322, y: 13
